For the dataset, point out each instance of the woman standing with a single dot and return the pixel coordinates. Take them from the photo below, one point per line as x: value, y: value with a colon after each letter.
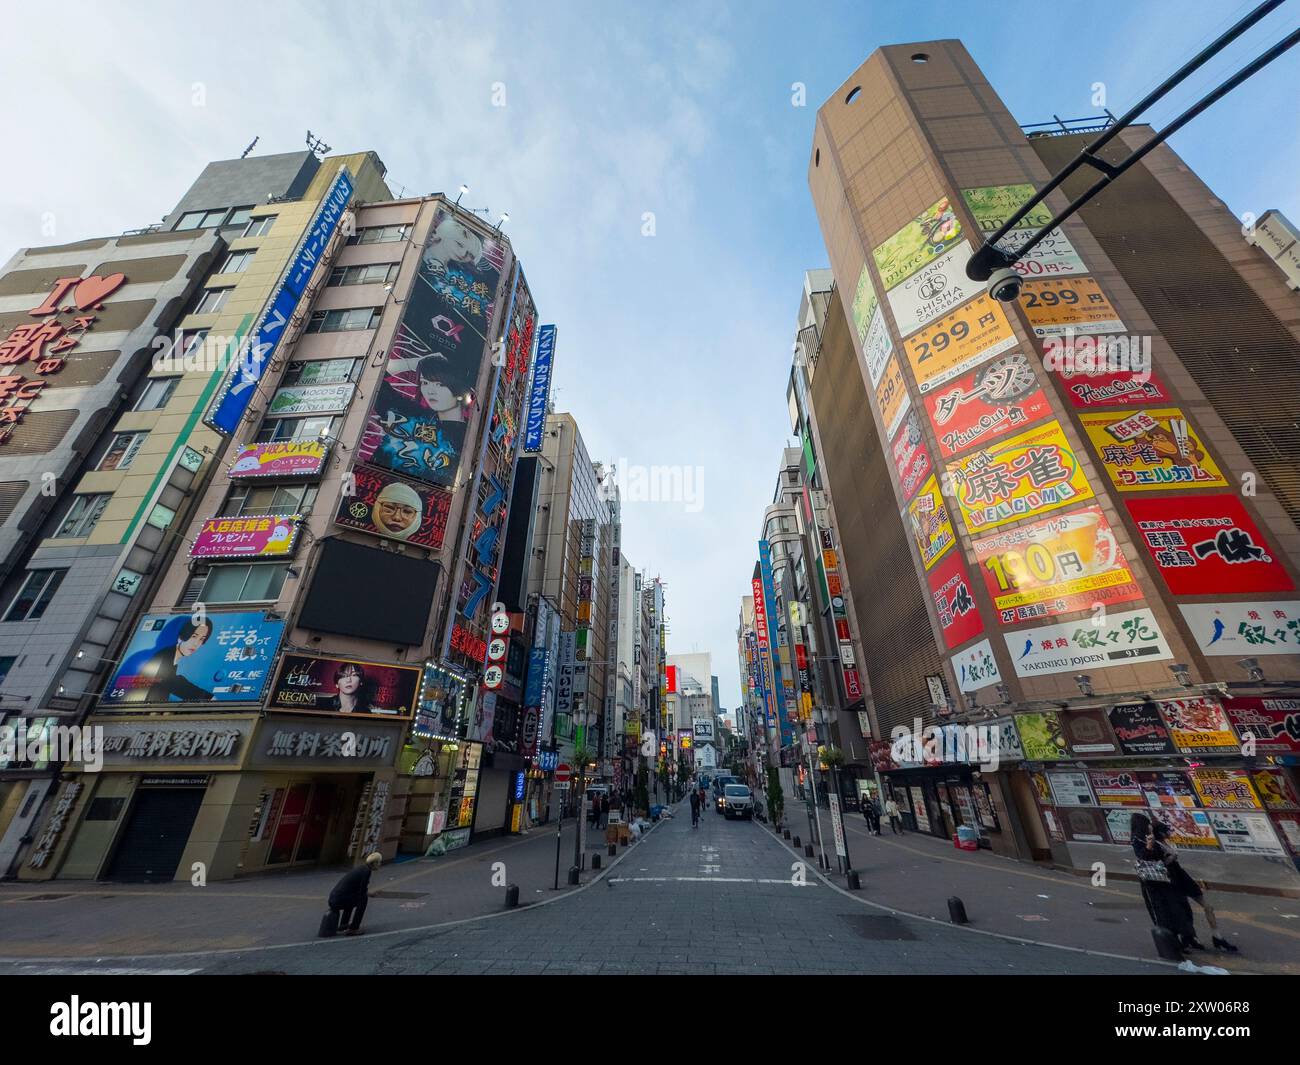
x: 1191, y: 889
x: 1166, y: 903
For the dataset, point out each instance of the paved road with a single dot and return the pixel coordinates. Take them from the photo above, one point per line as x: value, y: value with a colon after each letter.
x: 727, y: 897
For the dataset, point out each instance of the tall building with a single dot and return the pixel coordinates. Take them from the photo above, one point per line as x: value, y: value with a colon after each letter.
x: 1090, y: 487
x: 105, y: 449
x: 317, y: 674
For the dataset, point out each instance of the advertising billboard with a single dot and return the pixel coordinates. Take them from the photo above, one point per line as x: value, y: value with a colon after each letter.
x: 891, y: 395
x: 256, y: 349
x: 1151, y: 450
x: 1099, y: 384
x: 427, y: 397
x: 703, y: 730
x: 1208, y: 545
x: 911, y: 456
x: 1057, y: 565
x: 1041, y: 736
x: 288, y: 458
x: 539, y: 391
x: 865, y: 303
x: 1117, y: 787
x: 959, y: 341
x: 310, y: 399
x: 1120, y: 638
x: 1245, y: 629
x: 976, y: 667
x: 1061, y: 306
x: 1031, y: 473
x: 264, y: 536
x: 1273, y: 723
x: 1199, y: 726
x: 921, y: 241
x: 993, y: 205
x: 934, y: 290
x: 950, y: 589
x: 318, y: 684
x: 1227, y: 789
x: 1245, y: 833
x: 1140, y: 729
x: 932, y: 531
x: 174, y: 658
x: 985, y: 404
x: 388, y: 506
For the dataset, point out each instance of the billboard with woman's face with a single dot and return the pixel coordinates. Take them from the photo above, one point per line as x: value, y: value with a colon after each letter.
x: 315, y: 684
x: 427, y: 397
x: 200, y: 658
x: 387, y: 506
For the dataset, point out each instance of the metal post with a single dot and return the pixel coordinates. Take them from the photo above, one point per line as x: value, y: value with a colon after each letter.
x: 812, y: 779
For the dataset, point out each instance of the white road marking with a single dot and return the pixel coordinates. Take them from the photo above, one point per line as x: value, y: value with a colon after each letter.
x: 65, y: 970
x: 707, y: 880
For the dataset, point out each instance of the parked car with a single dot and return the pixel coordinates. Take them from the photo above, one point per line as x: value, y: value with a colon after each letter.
x: 737, y: 801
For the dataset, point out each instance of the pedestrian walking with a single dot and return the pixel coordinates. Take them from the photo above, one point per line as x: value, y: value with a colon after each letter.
x: 875, y: 815
x: 1166, y: 903
x: 695, y: 809
x: 347, y: 902
x: 895, y: 818
x: 1191, y: 888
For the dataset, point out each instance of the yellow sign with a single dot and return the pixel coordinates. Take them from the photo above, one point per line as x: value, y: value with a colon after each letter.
x: 959, y: 341
x: 1151, y: 450
x: 931, y: 528
x: 891, y: 394
x: 1031, y: 473
x: 1057, y: 305
x: 921, y: 241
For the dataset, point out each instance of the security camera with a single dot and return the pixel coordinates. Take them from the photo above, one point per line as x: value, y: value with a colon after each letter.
x: 1004, y: 285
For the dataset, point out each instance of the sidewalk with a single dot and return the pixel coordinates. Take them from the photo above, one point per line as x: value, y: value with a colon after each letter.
x: 917, y: 874
x: 77, y: 918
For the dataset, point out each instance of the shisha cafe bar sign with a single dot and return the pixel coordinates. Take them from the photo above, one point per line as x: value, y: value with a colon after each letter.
x: 46, y: 343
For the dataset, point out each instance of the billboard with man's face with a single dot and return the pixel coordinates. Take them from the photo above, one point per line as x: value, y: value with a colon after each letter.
x: 395, y: 509
x: 199, y: 658
x: 321, y: 685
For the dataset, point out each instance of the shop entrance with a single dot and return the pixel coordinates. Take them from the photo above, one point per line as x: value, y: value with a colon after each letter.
x: 310, y: 821
x: 154, y: 837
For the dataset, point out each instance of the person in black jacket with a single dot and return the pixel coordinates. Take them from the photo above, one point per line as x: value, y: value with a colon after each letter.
x: 1166, y: 902
x: 348, y: 900
x: 163, y: 667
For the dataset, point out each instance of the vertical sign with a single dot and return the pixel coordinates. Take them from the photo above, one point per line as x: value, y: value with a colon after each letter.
x: 540, y: 392
x: 256, y: 349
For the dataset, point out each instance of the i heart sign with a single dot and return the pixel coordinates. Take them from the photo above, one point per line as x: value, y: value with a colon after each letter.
x: 90, y: 293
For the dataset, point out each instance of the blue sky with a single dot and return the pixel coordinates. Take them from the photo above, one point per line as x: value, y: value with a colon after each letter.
x: 673, y: 348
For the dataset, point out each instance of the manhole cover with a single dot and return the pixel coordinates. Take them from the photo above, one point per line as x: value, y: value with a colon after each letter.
x: 45, y: 898
x: 877, y: 927
x: 398, y: 894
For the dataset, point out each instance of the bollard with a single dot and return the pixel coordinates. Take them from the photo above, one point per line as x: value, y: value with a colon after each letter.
x: 512, y: 896
x: 785, y: 832
x: 1167, y: 945
x: 795, y: 843
x: 808, y: 852
x: 854, y: 882
x: 595, y: 861
x: 573, y: 874
x: 957, y: 911
x: 613, y: 849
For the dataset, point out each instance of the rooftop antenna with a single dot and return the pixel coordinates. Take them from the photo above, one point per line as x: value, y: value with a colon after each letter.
x: 317, y: 146
x: 250, y: 147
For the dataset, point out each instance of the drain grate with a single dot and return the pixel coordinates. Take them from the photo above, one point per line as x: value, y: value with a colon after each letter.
x: 399, y: 894
x: 882, y: 927
x: 45, y: 898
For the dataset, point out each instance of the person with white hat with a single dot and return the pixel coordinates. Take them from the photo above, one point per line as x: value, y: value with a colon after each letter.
x: 347, y: 902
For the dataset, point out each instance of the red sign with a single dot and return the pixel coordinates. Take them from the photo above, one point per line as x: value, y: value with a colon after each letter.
x: 1207, y: 545
x: 267, y: 536
x: 986, y: 403
x: 760, y: 615
x: 468, y: 644
x: 562, y: 772
x: 1275, y: 723
x: 29, y: 342
x: 953, y: 602
x: 852, y: 684
x: 911, y: 459
x: 1090, y: 381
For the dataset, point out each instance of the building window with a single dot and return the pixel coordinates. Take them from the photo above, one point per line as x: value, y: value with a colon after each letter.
x: 157, y: 391
x: 6, y: 664
x: 310, y: 428
x: 379, y: 235
x: 254, y: 500
x: 249, y: 583
x: 211, y: 300
x: 261, y: 226
x: 33, y: 597
x: 236, y: 262
x: 83, y: 515
x: 202, y: 219
x: 122, y: 451
x: 239, y: 215
x: 322, y: 372
x: 371, y: 274
x: 344, y: 321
